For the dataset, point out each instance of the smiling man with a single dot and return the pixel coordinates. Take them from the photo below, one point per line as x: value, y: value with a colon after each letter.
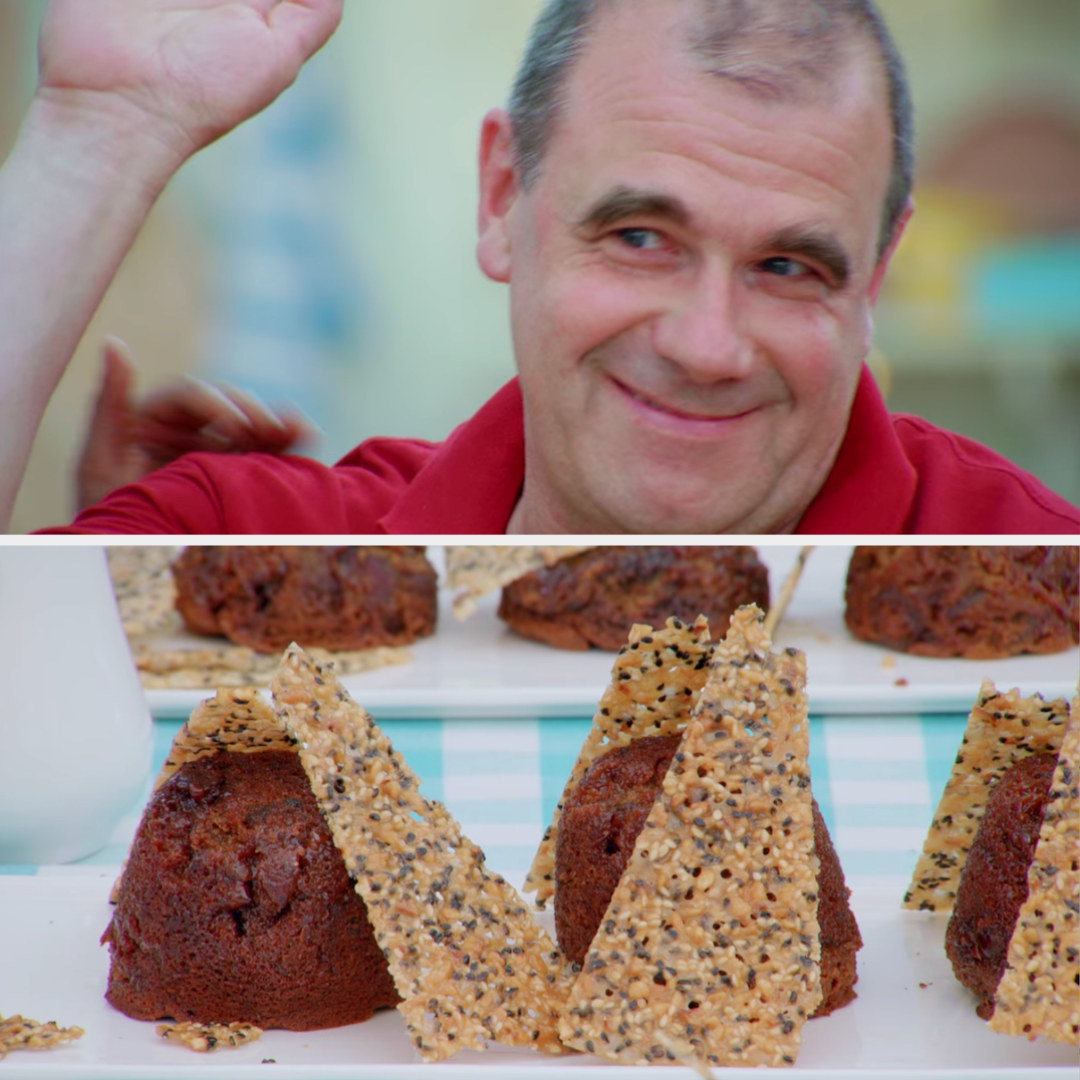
x: 692, y: 264
x: 693, y: 203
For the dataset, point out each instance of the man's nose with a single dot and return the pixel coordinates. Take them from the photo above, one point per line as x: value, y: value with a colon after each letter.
x: 702, y: 328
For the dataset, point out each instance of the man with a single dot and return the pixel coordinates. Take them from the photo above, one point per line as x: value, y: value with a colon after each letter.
x: 693, y: 203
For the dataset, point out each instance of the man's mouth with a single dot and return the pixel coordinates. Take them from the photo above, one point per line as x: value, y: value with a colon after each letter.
x: 678, y: 412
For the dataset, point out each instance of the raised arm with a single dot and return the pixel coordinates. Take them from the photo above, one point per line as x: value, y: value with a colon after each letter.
x: 128, y: 90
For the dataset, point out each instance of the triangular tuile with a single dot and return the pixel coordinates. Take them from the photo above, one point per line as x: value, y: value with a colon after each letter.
x: 1039, y: 993
x: 240, y: 721
x: 655, y: 681
x: 468, y: 960
x: 1002, y: 729
x: 709, y: 951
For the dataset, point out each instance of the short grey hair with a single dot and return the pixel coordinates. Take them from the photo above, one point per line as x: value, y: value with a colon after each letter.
x: 774, y: 47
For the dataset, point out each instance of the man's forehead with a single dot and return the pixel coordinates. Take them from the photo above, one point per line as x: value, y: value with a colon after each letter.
x: 795, y: 51
x: 784, y: 51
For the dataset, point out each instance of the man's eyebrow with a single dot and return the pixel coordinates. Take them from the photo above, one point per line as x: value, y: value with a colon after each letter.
x: 816, y: 244
x: 621, y: 203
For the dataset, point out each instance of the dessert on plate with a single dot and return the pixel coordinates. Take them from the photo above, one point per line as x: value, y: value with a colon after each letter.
x: 981, y: 603
x: 267, y: 597
x: 1002, y: 856
x: 709, y: 949
x: 588, y: 600
x: 288, y: 872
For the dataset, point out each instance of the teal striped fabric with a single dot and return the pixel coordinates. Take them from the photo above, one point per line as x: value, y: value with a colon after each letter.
x: 877, y: 780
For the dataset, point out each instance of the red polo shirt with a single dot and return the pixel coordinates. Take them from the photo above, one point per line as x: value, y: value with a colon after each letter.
x: 893, y: 474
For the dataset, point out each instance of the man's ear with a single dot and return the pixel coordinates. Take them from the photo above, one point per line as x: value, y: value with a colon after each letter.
x: 498, y: 192
x: 883, y: 262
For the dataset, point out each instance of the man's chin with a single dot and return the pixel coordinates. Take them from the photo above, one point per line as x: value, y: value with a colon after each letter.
x: 674, y: 509
x: 651, y: 489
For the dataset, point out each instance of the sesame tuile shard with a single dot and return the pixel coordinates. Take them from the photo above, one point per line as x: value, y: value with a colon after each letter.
x: 1039, y: 992
x: 655, y: 680
x: 470, y: 963
x: 213, y: 667
x: 1002, y: 729
x: 709, y: 952
x: 205, y: 1038
x: 143, y: 584
x: 473, y: 571
x: 240, y: 721
x: 19, y: 1033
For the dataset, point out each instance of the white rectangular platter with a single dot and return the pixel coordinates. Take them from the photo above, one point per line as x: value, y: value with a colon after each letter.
x: 479, y: 668
x: 910, y: 1020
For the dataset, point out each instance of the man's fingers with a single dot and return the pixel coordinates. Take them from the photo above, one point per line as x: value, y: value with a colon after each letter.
x: 111, y: 418
x: 267, y: 429
x: 192, y: 414
x: 117, y: 377
x: 273, y: 430
x: 187, y: 414
x: 302, y: 429
x: 192, y: 402
x: 108, y: 458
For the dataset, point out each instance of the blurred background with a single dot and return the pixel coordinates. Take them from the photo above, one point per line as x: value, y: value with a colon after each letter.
x: 323, y: 253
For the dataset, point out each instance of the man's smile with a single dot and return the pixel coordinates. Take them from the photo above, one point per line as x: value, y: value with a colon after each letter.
x: 664, y: 411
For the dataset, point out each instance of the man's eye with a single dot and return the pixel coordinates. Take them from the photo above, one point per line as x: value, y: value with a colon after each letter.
x: 782, y: 266
x: 641, y: 239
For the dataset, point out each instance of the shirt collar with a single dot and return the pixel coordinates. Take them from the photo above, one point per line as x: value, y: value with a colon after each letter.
x: 871, y: 486
x: 472, y: 481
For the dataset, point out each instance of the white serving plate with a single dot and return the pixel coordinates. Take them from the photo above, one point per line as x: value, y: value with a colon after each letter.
x: 479, y: 668
x: 910, y: 1020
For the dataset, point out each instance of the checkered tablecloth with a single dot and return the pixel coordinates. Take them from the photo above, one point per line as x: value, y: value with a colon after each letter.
x: 877, y: 780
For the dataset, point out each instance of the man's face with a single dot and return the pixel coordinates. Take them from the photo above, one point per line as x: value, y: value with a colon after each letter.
x: 691, y: 279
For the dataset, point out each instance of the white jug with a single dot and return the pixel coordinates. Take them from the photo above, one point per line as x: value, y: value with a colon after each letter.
x: 76, y: 735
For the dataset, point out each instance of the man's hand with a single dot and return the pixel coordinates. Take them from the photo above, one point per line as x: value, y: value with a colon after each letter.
x: 127, y: 91
x: 128, y: 439
x: 193, y: 69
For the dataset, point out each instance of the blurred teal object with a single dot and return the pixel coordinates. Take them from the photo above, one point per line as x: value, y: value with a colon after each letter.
x: 1029, y: 289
